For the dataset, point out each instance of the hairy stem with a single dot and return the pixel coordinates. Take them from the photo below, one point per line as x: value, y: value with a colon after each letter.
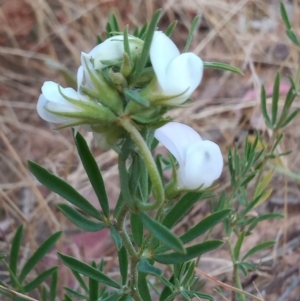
x: 133, y: 255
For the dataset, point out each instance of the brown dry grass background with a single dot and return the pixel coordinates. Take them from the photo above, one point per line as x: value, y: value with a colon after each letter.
x: 246, y: 33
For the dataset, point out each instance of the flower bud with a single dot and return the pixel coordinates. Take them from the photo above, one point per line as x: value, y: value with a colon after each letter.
x: 200, y: 161
x: 177, y: 75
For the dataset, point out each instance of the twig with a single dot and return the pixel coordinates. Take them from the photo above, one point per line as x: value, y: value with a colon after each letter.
x: 290, y: 289
x: 227, y: 286
x: 16, y: 293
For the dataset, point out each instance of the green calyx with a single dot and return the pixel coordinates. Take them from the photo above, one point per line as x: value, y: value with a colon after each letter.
x: 104, y: 93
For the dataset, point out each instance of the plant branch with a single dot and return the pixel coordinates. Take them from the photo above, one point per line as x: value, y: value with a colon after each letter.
x: 150, y: 164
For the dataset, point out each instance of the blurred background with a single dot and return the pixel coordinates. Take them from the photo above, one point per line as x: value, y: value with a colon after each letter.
x: 42, y: 40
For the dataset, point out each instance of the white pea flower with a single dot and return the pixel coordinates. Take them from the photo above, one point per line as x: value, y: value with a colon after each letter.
x: 200, y: 161
x: 52, y: 103
x: 112, y: 50
x: 177, y: 75
x: 69, y: 107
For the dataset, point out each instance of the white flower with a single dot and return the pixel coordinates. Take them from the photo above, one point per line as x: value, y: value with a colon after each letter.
x: 200, y: 161
x: 51, y: 101
x: 112, y: 49
x: 178, y: 75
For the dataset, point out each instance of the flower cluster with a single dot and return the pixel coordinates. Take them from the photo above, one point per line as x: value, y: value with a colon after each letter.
x: 106, y: 94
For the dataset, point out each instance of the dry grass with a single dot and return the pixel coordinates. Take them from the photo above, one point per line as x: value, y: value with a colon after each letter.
x: 245, y: 33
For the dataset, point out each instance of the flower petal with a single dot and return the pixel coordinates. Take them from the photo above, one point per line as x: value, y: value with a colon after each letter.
x: 176, y: 74
x: 80, y: 76
x: 162, y: 52
x: 204, y: 164
x: 183, y: 75
x: 112, y: 49
x: 46, y: 115
x: 51, y: 92
x: 177, y: 138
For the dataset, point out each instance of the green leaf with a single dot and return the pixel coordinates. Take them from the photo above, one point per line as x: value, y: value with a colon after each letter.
x: 258, y: 248
x: 238, y: 245
x: 170, y: 28
x: 191, y: 33
x: 246, y: 266
x: 93, y: 287
x: 63, y: 189
x: 222, y: 66
x: 80, y: 220
x: 143, y: 287
x: 191, y: 252
x: 162, y: 233
x: 290, y: 118
x: 145, y: 267
x: 253, y: 203
x: 263, y: 104
x: 182, y: 207
x: 123, y: 173
x: 123, y: 264
x: 141, y: 63
x: 116, y: 237
x: 134, y: 172
x: 124, y: 298
x: 293, y: 37
x: 284, y: 16
x: 39, y: 279
x: 119, y: 205
x: 206, y: 224
x: 76, y: 294
x: 53, y: 287
x: 185, y: 295
x: 288, y: 25
x: 114, y: 23
x: 37, y: 256
x: 290, y: 97
x: 143, y: 31
x: 189, y: 274
x: 275, y: 99
x: 93, y: 172
x: 14, y: 252
x: 144, y: 186
x: 168, y: 289
x: 137, y: 229
x: 201, y: 295
x: 112, y: 297
x: 135, y: 97
x: 87, y: 270
x: 126, y: 42
x: 267, y: 216
x: 44, y: 294
x: 80, y: 280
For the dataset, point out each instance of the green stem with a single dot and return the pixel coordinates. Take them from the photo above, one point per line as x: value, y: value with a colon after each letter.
x: 298, y: 78
x: 120, y: 226
x: 158, y: 217
x: 236, y: 276
x: 133, y: 255
x: 150, y: 164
